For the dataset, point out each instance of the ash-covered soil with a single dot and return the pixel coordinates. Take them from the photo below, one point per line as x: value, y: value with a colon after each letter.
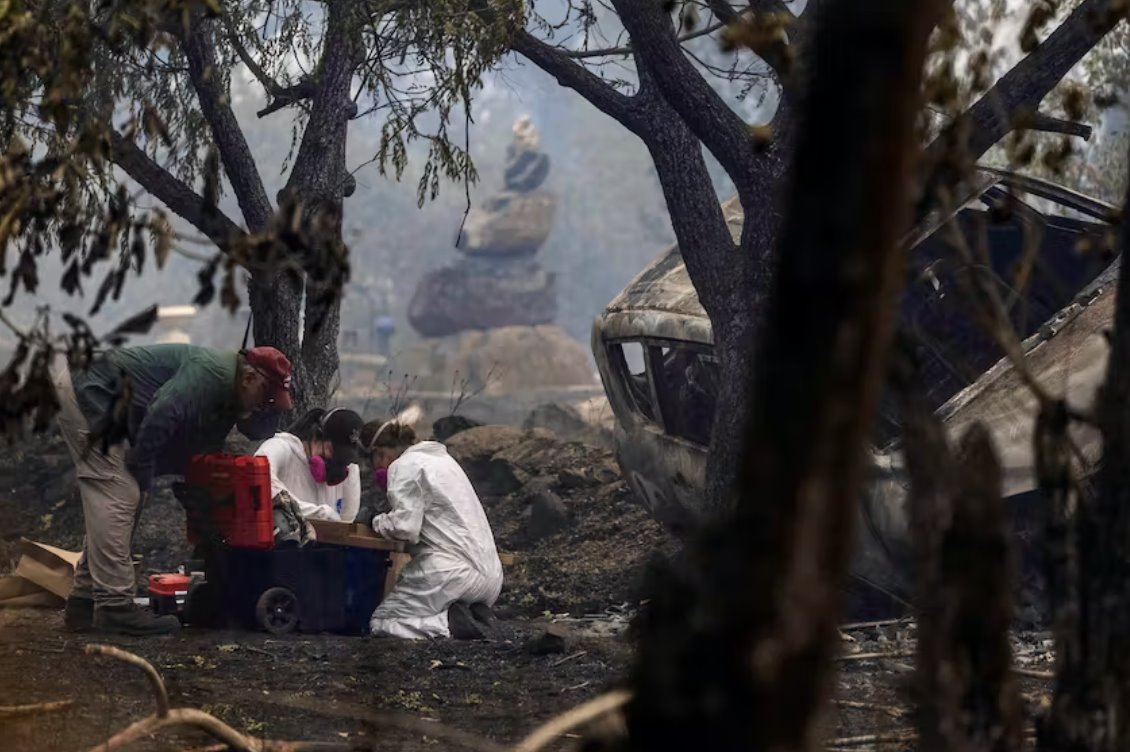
x: 581, y: 542
x: 590, y: 561
x: 399, y: 694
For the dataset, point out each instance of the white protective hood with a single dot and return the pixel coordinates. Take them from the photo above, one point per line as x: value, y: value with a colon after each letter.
x: 436, y: 510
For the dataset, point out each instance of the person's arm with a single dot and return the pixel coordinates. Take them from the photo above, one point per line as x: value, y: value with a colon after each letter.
x: 172, y: 405
x: 406, y: 497
x: 351, y: 502
x: 279, y: 454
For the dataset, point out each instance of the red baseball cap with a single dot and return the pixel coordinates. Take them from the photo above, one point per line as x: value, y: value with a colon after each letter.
x: 275, y: 368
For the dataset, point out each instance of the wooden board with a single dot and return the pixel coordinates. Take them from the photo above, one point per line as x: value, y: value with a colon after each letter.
x: 353, y: 534
x: 361, y: 536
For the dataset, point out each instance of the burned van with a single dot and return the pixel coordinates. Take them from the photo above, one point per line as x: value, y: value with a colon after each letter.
x: 653, y: 346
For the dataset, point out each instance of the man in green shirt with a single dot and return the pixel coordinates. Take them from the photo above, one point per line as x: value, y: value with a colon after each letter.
x: 136, y: 413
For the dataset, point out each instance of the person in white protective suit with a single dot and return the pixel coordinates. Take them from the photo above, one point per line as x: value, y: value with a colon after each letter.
x: 455, y: 575
x: 314, y: 471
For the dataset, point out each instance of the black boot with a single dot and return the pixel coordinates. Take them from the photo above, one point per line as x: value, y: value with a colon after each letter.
x: 134, y: 621
x: 79, y: 614
x: 462, y: 625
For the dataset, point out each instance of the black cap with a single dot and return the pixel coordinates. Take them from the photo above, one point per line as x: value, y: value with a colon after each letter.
x: 342, y: 428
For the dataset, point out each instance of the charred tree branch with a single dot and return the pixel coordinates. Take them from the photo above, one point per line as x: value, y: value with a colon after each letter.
x: 197, y: 40
x: 1049, y: 124
x: 619, y: 106
x: 720, y: 129
x: 284, y: 98
x: 172, y: 192
x: 1021, y: 90
x: 627, y: 49
x: 271, y: 86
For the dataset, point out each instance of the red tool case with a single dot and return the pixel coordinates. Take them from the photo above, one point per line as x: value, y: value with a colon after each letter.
x: 240, y: 488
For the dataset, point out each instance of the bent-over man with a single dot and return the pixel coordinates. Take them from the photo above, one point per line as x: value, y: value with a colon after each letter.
x: 136, y: 413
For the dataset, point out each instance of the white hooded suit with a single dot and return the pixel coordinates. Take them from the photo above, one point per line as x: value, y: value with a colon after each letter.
x: 436, y: 510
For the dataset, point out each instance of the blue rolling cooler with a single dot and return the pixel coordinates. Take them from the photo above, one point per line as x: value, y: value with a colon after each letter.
x: 319, y: 588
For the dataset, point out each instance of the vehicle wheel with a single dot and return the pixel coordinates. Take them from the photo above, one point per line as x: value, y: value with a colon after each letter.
x: 202, y: 605
x: 277, y: 611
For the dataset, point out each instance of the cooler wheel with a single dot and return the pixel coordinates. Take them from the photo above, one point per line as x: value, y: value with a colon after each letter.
x: 277, y: 610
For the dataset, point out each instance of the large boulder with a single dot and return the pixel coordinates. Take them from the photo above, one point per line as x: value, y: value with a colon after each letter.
x: 588, y: 420
x: 497, y: 361
x: 471, y: 296
x: 509, y: 223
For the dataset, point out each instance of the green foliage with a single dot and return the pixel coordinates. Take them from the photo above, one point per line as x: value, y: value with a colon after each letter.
x: 455, y: 43
x: 82, y: 85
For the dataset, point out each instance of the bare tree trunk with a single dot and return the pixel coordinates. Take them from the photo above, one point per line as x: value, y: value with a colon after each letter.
x: 1091, y: 708
x: 736, y: 653
x: 966, y: 694
x: 274, y: 296
x: 317, y: 184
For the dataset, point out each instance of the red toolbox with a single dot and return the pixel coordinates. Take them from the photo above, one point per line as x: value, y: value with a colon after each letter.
x: 240, y: 491
x: 167, y: 592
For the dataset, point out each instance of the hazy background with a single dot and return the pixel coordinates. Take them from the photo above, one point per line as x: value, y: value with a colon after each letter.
x: 610, y: 223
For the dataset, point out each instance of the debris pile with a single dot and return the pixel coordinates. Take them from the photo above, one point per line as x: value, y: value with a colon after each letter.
x: 581, y: 538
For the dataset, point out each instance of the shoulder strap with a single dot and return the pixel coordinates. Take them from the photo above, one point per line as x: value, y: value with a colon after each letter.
x: 246, y: 333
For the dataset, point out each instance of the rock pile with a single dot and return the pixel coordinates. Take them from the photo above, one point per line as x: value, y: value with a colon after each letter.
x: 498, y: 282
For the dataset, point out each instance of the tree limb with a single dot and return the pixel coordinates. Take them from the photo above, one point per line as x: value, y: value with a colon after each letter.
x: 156, y: 683
x: 627, y: 48
x: 290, y: 95
x: 697, y: 217
x: 1049, y: 124
x: 723, y: 11
x: 617, y: 105
x: 269, y: 84
x: 172, y: 192
x: 1020, y: 90
x: 197, y: 40
x: 720, y: 129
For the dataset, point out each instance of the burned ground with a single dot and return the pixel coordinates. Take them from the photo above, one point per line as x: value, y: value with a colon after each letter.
x: 585, y: 560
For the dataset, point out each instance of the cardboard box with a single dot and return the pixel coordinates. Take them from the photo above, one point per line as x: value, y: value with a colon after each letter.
x: 52, y: 569
x: 17, y: 592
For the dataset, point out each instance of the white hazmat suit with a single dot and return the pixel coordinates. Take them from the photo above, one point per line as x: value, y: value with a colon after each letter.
x: 436, y: 510
x: 290, y: 472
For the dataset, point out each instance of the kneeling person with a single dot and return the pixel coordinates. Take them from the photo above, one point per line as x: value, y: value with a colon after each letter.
x: 455, y: 567
x: 314, y: 475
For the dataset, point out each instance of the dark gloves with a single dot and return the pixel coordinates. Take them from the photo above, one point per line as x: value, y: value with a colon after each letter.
x: 365, y: 515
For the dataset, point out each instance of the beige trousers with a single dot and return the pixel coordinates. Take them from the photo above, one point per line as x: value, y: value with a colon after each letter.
x: 111, y: 501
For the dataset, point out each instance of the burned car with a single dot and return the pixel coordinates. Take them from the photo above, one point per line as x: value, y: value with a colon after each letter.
x: 653, y: 347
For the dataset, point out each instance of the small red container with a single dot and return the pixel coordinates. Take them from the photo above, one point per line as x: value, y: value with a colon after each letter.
x: 167, y: 592
x: 240, y: 487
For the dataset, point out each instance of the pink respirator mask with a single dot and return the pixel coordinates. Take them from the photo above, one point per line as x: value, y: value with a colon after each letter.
x: 318, y: 468
x: 380, y: 478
